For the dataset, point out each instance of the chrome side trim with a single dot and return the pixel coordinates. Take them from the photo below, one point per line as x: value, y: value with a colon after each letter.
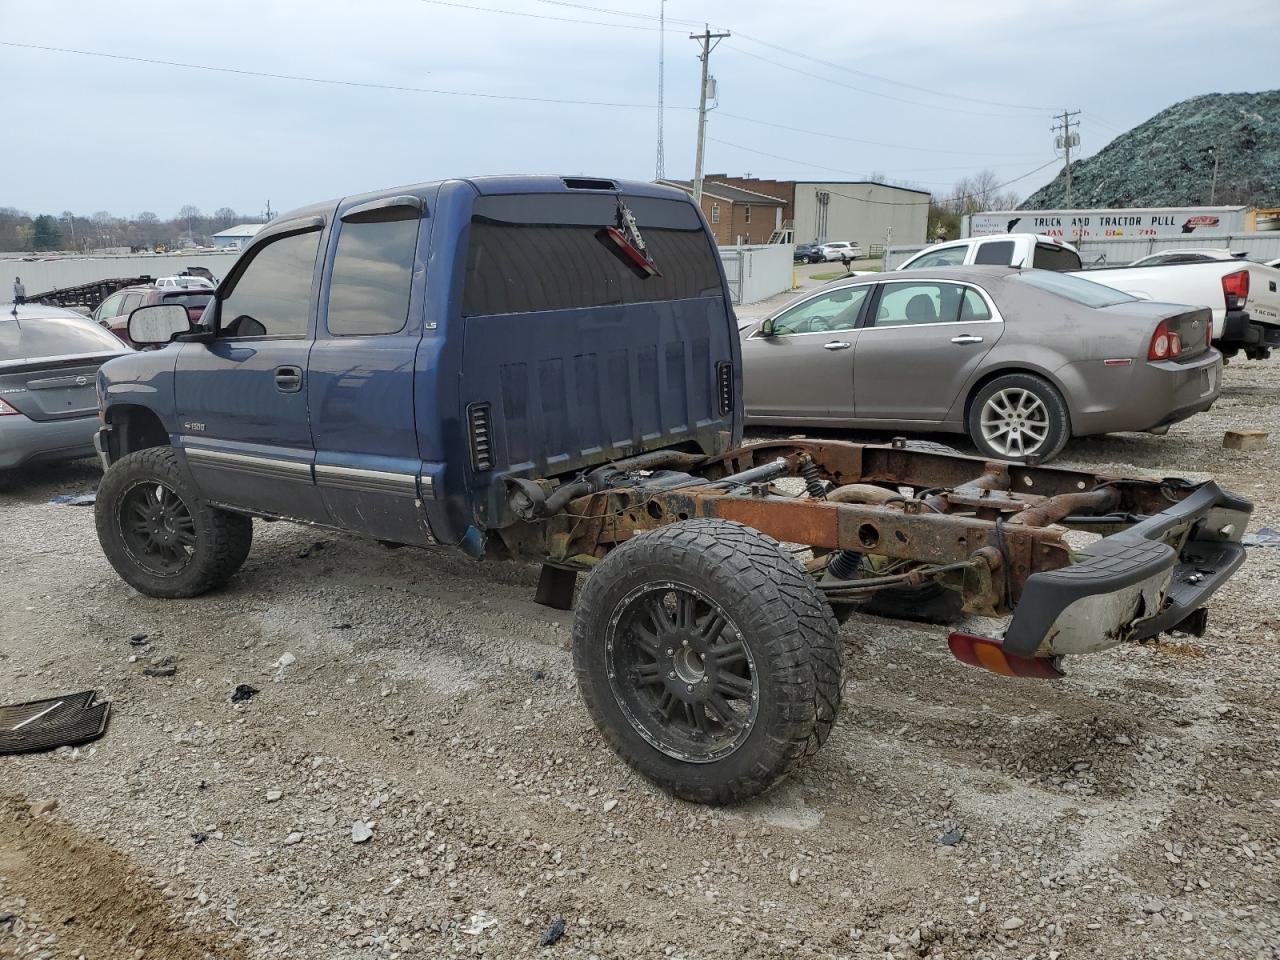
x: 367, y: 481
x: 247, y: 463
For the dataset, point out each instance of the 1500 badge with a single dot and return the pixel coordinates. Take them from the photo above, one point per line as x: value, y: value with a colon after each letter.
x: 194, y: 427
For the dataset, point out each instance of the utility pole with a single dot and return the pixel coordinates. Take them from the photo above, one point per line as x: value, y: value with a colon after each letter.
x: 1066, y: 140
x: 704, y: 38
x: 660, y: 172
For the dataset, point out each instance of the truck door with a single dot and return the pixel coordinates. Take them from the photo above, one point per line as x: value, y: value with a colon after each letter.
x: 242, y: 399
x: 360, y: 378
x: 922, y: 341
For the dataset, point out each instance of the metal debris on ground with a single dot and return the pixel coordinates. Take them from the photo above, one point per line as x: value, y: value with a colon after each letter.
x: 164, y: 667
x: 56, y: 722
x: 75, y: 499
x: 553, y: 934
x: 312, y: 548
x: 1262, y: 537
x: 243, y: 692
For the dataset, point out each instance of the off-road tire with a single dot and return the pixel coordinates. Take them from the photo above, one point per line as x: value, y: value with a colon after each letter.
x: 222, y: 539
x: 1059, y: 416
x: 783, y: 619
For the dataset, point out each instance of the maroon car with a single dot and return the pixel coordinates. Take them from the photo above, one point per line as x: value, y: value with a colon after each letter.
x: 113, y: 312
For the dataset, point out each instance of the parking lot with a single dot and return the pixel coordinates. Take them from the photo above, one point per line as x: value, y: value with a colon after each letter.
x: 1131, y: 810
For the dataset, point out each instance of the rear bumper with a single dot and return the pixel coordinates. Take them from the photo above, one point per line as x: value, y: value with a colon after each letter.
x: 1153, y: 394
x: 1134, y: 584
x: 24, y: 441
x: 1235, y: 328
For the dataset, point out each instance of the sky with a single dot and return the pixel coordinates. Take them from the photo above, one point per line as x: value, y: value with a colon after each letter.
x: 925, y: 91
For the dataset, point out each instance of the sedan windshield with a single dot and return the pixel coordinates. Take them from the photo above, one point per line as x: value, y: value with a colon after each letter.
x: 1073, y: 288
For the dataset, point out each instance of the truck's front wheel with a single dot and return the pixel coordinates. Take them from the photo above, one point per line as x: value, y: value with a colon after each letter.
x: 159, y: 535
x: 708, y: 658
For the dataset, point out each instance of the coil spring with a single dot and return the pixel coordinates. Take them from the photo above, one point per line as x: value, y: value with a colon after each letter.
x: 844, y: 564
x: 813, y: 479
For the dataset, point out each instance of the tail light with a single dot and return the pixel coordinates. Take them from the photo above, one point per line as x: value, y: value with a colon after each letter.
x: 8, y: 411
x: 481, y: 437
x: 1165, y: 344
x: 1235, y: 287
x: 989, y: 655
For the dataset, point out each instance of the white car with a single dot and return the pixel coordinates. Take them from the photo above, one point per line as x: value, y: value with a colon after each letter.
x: 184, y: 283
x: 841, y: 248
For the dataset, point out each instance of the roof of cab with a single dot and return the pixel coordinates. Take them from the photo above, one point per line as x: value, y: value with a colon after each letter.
x: 495, y: 186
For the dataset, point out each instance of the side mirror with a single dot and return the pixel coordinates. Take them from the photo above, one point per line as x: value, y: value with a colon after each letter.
x: 158, y: 323
x: 766, y: 328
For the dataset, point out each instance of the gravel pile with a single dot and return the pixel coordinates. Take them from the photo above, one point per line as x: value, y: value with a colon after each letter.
x: 413, y: 775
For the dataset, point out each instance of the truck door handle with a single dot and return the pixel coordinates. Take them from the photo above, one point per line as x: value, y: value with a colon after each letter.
x: 966, y: 338
x: 837, y: 345
x: 288, y: 379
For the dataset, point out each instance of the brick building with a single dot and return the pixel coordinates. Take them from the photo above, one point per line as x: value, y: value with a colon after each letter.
x: 737, y: 215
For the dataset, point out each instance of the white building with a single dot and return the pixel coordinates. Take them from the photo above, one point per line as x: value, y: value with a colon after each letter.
x: 236, y: 236
x: 860, y: 211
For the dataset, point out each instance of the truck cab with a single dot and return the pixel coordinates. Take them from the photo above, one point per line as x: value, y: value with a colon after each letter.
x: 1007, y: 250
x: 384, y: 363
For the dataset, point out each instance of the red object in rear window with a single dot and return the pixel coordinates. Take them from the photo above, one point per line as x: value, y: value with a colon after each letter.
x: 1235, y: 287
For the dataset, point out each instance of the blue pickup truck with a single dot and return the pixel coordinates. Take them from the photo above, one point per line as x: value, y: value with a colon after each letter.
x: 547, y: 370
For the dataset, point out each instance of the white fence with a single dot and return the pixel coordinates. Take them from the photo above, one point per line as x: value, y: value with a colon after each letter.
x: 1259, y: 246
x: 1119, y: 251
x: 758, y: 271
x: 40, y: 274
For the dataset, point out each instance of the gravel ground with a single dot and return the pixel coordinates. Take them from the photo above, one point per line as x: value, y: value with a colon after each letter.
x: 423, y: 701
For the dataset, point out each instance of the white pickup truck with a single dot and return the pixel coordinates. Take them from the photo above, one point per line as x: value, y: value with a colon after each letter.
x: 1241, y: 293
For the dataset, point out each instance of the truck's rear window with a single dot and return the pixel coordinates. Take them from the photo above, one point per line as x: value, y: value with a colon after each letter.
x: 1049, y: 257
x: 541, y: 252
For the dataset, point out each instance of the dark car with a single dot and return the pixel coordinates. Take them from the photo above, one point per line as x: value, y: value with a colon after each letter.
x: 807, y: 253
x: 113, y: 312
x: 49, y: 360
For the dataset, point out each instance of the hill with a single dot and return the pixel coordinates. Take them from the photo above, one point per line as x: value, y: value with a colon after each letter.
x: 1168, y: 161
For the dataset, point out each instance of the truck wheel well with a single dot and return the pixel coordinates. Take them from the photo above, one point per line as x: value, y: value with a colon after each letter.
x: 136, y: 428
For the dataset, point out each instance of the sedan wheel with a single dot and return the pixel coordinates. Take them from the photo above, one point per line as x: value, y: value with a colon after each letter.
x: 1015, y: 422
x: 1019, y: 416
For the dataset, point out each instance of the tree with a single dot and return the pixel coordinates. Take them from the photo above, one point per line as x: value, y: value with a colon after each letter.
x: 45, y: 234
x: 980, y: 192
x: 225, y: 217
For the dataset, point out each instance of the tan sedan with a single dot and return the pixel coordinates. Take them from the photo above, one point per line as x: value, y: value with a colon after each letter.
x: 1021, y: 360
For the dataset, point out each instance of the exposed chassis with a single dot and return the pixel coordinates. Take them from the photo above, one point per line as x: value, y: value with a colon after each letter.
x: 994, y: 531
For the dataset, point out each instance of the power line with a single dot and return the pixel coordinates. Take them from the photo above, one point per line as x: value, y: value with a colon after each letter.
x: 837, y: 136
x: 820, y: 166
x: 852, y: 173
x: 620, y: 13
x: 964, y: 196
x: 328, y: 81
x: 874, y: 93
x: 805, y: 56
x: 538, y: 16
x: 899, y: 83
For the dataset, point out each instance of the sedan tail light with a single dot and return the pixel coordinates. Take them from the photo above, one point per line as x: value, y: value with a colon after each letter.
x: 1235, y: 287
x: 8, y: 411
x: 1165, y: 344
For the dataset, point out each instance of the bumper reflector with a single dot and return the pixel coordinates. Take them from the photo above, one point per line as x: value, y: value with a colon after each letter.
x: 987, y: 654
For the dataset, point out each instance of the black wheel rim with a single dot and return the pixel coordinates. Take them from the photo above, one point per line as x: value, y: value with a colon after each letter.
x: 157, y: 528
x: 681, y: 672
